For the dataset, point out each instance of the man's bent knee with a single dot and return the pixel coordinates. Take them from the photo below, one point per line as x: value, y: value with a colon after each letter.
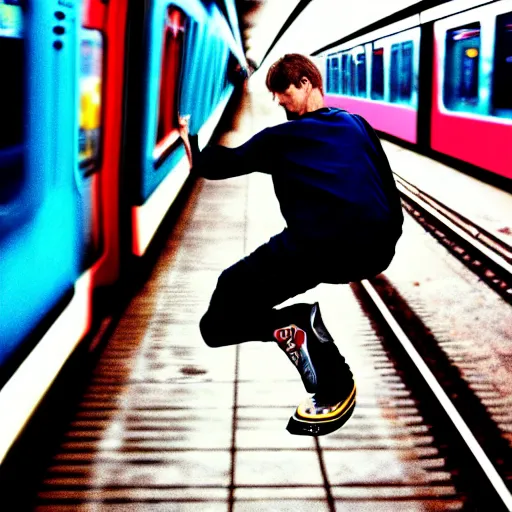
x: 222, y: 331
x: 211, y: 333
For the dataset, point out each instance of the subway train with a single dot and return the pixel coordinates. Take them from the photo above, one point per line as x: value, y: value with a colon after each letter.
x: 91, y: 161
x: 439, y: 79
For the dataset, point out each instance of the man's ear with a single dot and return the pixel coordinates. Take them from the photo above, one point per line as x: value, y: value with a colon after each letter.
x: 304, y: 81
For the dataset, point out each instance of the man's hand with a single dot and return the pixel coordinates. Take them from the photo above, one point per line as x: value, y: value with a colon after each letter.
x: 183, y: 129
x: 183, y: 125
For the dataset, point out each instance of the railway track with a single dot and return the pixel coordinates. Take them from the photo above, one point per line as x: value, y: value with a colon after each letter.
x: 474, y: 446
x: 486, y: 255
x: 447, y: 379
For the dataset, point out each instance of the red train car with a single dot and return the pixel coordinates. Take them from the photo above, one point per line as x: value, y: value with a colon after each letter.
x: 378, y: 79
x: 471, y: 117
x: 439, y: 79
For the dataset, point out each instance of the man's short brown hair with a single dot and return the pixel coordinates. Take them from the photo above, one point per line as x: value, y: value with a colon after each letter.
x: 289, y: 70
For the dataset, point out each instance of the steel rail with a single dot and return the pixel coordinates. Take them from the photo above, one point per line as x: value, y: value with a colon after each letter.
x: 494, y: 249
x: 460, y: 425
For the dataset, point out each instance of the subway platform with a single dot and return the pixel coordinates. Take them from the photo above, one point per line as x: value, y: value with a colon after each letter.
x: 168, y: 424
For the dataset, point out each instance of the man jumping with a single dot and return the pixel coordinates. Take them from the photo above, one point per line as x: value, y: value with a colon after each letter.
x: 343, y: 215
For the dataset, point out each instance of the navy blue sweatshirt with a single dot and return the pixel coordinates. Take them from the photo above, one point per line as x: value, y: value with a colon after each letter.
x: 331, y: 176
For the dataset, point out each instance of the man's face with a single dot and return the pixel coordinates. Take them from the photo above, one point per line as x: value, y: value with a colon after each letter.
x: 294, y: 100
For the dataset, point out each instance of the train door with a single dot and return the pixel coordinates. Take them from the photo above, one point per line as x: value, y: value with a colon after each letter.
x: 44, y: 303
x: 102, y: 90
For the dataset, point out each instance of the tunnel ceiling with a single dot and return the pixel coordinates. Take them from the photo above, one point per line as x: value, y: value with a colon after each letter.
x: 260, y: 21
x: 316, y: 23
x: 248, y: 13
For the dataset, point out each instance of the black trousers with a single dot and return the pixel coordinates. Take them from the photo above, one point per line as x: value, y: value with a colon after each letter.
x: 242, y: 305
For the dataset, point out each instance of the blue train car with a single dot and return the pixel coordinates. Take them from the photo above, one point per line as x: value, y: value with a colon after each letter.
x: 91, y: 161
x: 186, y: 50
x: 41, y: 217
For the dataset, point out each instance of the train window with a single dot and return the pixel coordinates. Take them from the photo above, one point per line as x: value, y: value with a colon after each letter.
x: 502, y: 78
x: 345, y: 73
x: 348, y: 74
x: 326, y: 79
x: 460, y: 91
x: 393, y: 94
x: 406, y: 71
x: 328, y: 76
x: 12, y: 92
x: 335, y: 75
x: 91, y: 71
x: 377, y: 92
x: 360, y: 79
x: 352, y: 77
x: 174, y: 28
x: 401, y: 72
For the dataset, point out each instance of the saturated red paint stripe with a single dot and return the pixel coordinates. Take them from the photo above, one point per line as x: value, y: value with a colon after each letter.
x: 93, y: 14
x: 106, y: 270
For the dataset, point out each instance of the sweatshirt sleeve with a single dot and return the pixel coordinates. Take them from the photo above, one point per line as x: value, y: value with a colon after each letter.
x: 220, y: 162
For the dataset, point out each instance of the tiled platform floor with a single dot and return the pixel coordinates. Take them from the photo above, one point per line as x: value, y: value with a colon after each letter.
x: 169, y: 424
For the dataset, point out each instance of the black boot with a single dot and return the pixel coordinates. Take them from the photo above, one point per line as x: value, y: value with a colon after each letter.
x: 308, y: 344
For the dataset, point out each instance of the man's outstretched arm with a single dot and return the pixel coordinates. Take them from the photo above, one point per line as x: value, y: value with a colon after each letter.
x: 220, y: 162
